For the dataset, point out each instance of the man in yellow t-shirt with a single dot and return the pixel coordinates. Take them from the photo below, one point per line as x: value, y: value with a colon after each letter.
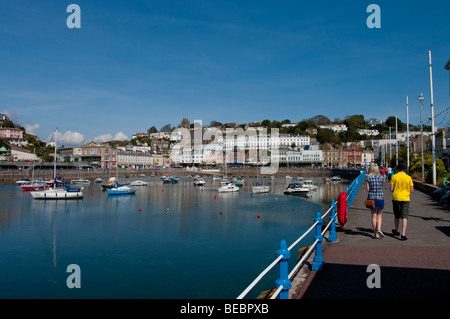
x: 401, y: 187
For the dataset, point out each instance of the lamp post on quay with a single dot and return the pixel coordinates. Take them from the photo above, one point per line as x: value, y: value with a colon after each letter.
x: 420, y: 98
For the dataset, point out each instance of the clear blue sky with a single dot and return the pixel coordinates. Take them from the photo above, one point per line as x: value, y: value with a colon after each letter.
x: 136, y: 64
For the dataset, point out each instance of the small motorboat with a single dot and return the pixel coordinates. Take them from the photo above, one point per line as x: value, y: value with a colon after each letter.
x: 121, y: 190
x: 166, y: 180
x: 199, y: 181
x: 259, y: 189
x: 80, y: 181
x: 111, y: 183
x: 309, y: 184
x: 335, y: 179
x: 23, y: 181
x: 138, y: 183
x: 33, y: 186
x: 296, y: 188
x: 230, y: 187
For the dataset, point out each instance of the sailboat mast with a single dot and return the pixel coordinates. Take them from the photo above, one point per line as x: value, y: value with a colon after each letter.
x: 54, y: 159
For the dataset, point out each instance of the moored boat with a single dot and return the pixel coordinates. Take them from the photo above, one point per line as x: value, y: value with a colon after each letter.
x: 34, y: 186
x: 121, y: 190
x: 138, y: 183
x: 81, y: 181
x: 230, y: 187
x: 259, y: 189
x: 23, y: 181
x: 58, y: 188
x: 295, y: 188
x: 309, y: 184
x: 198, y: 181
x: 66, y: 192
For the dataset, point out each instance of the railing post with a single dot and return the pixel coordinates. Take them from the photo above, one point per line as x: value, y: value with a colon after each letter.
x: 332, y: 237
x: 318, y: 259
x: 283, y: 271
x: 349, y: 199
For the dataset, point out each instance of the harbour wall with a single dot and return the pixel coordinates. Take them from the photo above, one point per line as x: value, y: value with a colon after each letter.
x: 13, y: 175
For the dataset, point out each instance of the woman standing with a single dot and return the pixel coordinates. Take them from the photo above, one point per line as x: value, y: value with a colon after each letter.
x: 375, y: 188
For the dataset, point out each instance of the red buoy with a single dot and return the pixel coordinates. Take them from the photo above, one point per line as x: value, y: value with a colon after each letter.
x: 139, y: 209
x: 257, y: 216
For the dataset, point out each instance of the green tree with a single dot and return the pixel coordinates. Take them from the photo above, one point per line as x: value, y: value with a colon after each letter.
x: 416, y: 168
x: 265, y: 123
x: 325, y: 136
x: 355, y: 121
x: 152, y: 130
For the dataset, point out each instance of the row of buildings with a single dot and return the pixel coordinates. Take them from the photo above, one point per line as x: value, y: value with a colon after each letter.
x: 251, y: 146
x: 251, y: 149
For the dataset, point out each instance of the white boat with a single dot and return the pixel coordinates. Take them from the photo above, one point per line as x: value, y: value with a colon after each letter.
x: 99, y: 180
x: 296, y: 188
x: 335, y: 179
x: 166, y: 180
x: 81, y: 181
x: 58, y: 192
x: 121, y: 190
x: 23, y: 181
x: 230, y: 187
x: 199, y: 181
x: 309, y: 184
x: 224, y: 181
x: 138, y: 183
x: 260, y: 189
x: 34, y: 186
x: 111, y: 183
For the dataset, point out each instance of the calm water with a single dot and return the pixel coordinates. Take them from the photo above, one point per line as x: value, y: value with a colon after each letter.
x: 178, y: 245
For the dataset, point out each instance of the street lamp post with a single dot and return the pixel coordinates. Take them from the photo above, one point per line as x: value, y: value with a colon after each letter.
x: 407, y: 136
x: 433, y: 137
x: 420, y: 98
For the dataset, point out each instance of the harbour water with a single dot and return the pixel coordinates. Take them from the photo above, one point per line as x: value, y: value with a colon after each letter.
x: 167, y: 241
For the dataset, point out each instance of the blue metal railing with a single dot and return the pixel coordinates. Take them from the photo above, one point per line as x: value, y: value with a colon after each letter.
x: 283, y: 282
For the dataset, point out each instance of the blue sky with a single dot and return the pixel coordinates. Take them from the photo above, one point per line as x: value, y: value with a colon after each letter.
x: 136, y: 64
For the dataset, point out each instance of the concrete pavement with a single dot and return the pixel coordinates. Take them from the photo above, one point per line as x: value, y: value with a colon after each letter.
x: 416, y: 268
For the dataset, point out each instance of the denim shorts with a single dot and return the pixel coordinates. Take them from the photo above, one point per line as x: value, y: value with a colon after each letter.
x: 379, y: 204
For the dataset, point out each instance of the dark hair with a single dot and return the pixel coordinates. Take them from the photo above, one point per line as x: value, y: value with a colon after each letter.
x: 400, y: 167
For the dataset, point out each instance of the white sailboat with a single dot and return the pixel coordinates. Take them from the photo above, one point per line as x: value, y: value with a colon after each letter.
x: 228, y: 187
x: 58, y: 192
x: 259, y: 189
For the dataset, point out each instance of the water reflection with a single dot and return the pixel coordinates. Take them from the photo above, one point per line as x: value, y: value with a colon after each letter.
x: 127, y: 245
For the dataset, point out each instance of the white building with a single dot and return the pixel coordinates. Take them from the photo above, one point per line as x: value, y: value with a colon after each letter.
x: 335, y: 127
x: 304, y: 156
x: 368, y: 132
x: 134, y: 159
x: 19, y: 154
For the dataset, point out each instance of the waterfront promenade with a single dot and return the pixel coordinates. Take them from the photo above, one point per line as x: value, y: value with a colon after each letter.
x: 418, y: 268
